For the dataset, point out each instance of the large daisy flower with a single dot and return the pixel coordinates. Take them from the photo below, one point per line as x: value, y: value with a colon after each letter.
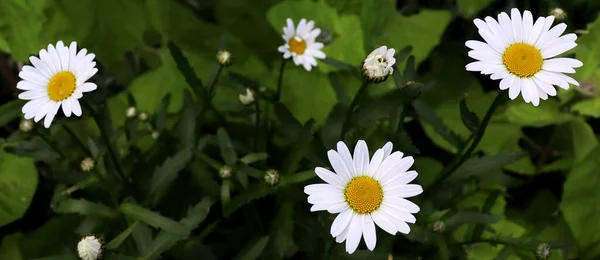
x: 520, y: 53
x: 56, y: 79
x: 366, y: 193
x: 300, y: 43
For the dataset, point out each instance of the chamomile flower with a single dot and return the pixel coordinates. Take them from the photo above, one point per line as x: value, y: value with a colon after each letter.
x: 366, y: 193
x: 89, y: 248
x: 379, y: 64
x: 56, y: 79
x: 300, y: 43
x: 521, y: 54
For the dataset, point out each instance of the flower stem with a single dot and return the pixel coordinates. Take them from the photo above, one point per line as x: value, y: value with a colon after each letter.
x: 256, y: 124
x: 105, y: 138
x: 352, y: 107
x: 79, y: 142
x: 280, y: 81
x: 467, y: 150
x: 213, y: 83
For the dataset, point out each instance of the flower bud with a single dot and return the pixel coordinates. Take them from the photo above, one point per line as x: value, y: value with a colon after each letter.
x: 272, y: 177
x: 87, y: 164
x: 89, y: 248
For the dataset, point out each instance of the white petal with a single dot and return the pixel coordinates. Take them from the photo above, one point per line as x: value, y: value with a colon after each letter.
x: 401, y: 203
x: 369, y: 232
x: 387, y: 149
x: 375, y: 162
x: 517, y: 24
x: 529, y: 90
x: 557, y: 50
x: 497, y: 30
x: 66, y: 107
x: 506, y: 25
x: 33, y: 106
x: 399, y: 213
x: 384, y: 223
x: 26, y: 85
x: 51, y: 113
x: 354, y: 233
x: 361, y: 157
x: 405, y: 190
x: 319, y: 188
x: 500, y: 75
x: 54, y: 56
x: 41, y: 66
x: 527, y: 24
x: 545, y: 87
x: 342, y: 237
x: 340, y: 223
x: 399, y: 167
x: 75, y: 106
x: 318, y: 207
x: 566, y: 78
x: 536, y: 31
x: 551, y: 35
x: 480, y: 46
x: 33, y: 94
x: 283, y: 48
x: 338, y: 207
x: 325, y: 198
x: 43, y: 110
x: 400, y: 178
x: 33, y: 76
x: 339, y: 166
x: 556, y: 66
x: 401, y: 226
x: 388, y: 164
x: 515, y: 89
x: 87, y: 87
x: 344, y: 152
x: 506, y: 82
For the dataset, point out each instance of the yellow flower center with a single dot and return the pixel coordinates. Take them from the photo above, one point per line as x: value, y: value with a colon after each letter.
x: 364, y: 194
x: 522, y: 59
x: 297, y: 45
x: 61, y: 86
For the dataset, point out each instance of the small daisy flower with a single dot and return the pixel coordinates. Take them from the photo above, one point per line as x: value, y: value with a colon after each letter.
x: 225, y: 172
x: 366, y: 193
x: 224, y: 57
x: 378, y: 65
x: 143, y: 116
x: 56, y: 79
x: 247, y: 99
x: 155, y: 135
x: 521, y: 54
x: 272, y: 177
x: 89, y: 248
x: 130, y: 112
x: 87, y: 164
x: 26, y: 125
x: 558, y: 13
x: 300, y: 43
x: 542, y: 251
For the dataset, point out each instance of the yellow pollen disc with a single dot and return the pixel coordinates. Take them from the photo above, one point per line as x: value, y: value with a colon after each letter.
x: 522, y: 59
x: 297, y: 45
x: 61, y: 86
x: 364, y: 194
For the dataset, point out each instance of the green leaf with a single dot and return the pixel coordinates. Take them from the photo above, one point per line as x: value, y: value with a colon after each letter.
x: 282, y: 229
x: 187, y: 123
x: 9, y: 248
x: 227, y: 150
x: 547, y: 113
x: 589, y: 107
x: 186, y: 70
x: 225, y: 192
x: 85, y: 207
x: 161, y: 113
x: 254, y: 191
x: 119, y: 239
x: 588, y: 52
x: 10, y: 111
x: 165, y: 240
x: 469, y: 217
x: 580, y: 204
x: 485, y: 164
x: 469, y: 8
x: 298, y: 150
x: 153, y: 219
x: 340, y: 90
x: 21, y: 43
x: 330, y: 133
x: 18, y: 182
x: 427, y: 115
x: 297, y: 177
x: 584, y: 139
x: 254, y: 157
x: 469, y: 119
x: 255, y: 250
x: 166, y: 173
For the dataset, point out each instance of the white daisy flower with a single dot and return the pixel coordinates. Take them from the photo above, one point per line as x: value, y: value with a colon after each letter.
x: 378, y: 65
x: 89, y: 248
x: 366, y: 193
x: 300, y: 43
x: 56, y: 79
x: 520, y: 53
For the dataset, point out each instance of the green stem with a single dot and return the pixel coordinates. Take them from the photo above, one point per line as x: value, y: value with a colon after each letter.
x: 79, y: 142
x: 466, y: 151
x: 352, y: 107
x: 106, y: 139
x: 256, y: 124
x: 213, y: 83
x: 280, y: 81
x: 50, y: 143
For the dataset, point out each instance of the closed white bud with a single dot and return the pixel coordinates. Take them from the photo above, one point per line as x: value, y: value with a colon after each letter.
x: 224, y: 57
x: 143, y: 116
x: 87, y: 164
x: 26, y: 125
x: 89, y: 248
x: 247, y: 99
x: 130, y: 112
x: 225, y: 172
